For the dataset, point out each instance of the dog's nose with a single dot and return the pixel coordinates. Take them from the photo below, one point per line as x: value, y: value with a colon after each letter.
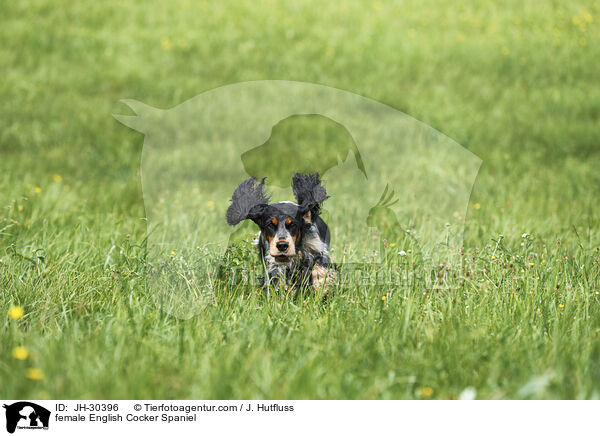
x: 282, y: 246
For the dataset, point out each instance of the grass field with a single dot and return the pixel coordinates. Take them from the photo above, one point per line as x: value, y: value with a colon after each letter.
x: 516, y: 84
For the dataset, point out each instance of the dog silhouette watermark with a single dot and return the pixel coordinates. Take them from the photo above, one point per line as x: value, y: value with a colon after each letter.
x: 391, y: 179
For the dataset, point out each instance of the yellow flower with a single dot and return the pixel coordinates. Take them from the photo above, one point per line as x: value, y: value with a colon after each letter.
x: 531, y: 263
x: 392, y: 245
x: 57, y: 178
x: 165, y: 43
x: 20, y: 353
x: 15, y: 313
x: 383, y: 298
x: 560, y: 306
x: 543, y: 260
x: 426, y: 392
x: 210, y: 203
x: 477, y: 206
x: 34, y: 374
x: 173, y: 253
x: 37, y: 189
x: 20, y: 208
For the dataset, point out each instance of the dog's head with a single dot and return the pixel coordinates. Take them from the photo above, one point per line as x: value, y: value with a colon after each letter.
x: 283, y: 223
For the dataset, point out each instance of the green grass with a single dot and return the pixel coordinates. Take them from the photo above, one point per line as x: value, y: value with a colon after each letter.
x: 517, y: 85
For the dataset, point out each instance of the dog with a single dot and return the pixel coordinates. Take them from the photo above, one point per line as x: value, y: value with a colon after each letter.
x: 293, y: 241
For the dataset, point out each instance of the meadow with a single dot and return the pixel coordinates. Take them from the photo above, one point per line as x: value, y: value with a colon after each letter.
x: 516, y: 84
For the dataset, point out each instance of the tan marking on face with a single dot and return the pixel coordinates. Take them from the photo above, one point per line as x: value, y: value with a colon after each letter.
x: 274, y: 221
x: 288, y: 221
x: 274, y: 251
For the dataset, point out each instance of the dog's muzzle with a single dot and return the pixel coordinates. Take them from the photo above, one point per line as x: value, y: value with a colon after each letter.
x: 283, y: 247
x: 283, y: 258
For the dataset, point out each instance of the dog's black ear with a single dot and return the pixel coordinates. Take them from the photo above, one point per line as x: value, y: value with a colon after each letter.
x: 248, y: 202
x: 310, y: 194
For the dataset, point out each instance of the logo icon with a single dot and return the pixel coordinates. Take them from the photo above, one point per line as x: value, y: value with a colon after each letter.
x: 26, y: 415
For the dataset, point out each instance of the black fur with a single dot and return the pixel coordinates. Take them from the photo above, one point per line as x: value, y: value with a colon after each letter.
x: 309, y: 192
x: 248, y: 201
